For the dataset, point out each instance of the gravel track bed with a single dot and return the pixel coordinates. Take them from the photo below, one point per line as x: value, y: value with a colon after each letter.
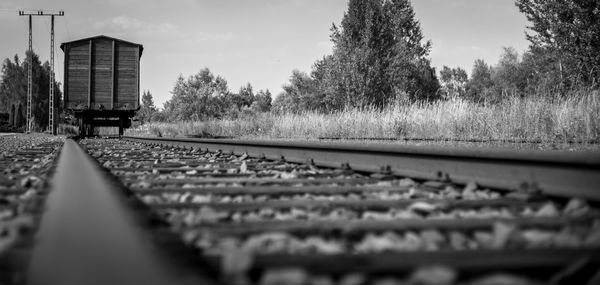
x: 417, y: 210
x: 239, y: 209
x: 26, y: 162
x: 502, y: 236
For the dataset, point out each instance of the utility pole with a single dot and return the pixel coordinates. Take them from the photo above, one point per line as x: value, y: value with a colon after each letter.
x: 51, y: 103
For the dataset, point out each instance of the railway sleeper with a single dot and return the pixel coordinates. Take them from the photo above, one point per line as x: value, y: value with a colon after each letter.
x: 220, y: 242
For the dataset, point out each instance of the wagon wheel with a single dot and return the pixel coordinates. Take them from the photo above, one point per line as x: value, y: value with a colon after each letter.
x: 121, y: 123
x: 90, y: 130
x: 81, y: 126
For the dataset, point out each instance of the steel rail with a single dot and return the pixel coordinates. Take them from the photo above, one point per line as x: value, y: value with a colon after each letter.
x: 90, y: 235
x: 541, y: 262
x: 362, y: 204
x: 559, y: 174
x: 347, y: 227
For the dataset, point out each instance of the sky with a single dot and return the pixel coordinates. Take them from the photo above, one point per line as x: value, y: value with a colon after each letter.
x: 249, y: 41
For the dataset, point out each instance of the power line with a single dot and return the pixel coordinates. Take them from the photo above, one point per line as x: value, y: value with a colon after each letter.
x: 51, y: 118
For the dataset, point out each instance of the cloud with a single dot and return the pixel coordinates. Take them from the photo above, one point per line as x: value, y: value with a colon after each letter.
x: 128, y: 24
x: 124, y: 25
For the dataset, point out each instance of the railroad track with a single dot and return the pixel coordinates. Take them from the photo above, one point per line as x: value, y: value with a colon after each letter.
x: 25, y: 172
x: 234, y: 212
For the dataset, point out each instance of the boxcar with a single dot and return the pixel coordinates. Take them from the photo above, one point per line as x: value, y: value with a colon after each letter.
x: 101, y: 82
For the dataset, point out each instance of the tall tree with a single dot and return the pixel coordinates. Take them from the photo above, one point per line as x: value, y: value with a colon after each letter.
x: 480, y: 85
x: 454, y: 81
x: 568, y: 33
x: 508, y: 75
x: 262, y: 101
x: 326, y: 78
x: 245, y: 97
x: 380, y: 52
x: 148, y: 108
x: 13, y: 89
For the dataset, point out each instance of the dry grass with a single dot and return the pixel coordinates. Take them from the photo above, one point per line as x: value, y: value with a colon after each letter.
x: 537, y: 118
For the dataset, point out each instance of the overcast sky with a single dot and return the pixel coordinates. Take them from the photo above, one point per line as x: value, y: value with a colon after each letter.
x: 256, y: 41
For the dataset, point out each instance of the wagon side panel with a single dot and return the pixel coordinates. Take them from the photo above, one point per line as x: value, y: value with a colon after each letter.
x: 77, y: 59
x: 101, y: 74
x: 126, y: 76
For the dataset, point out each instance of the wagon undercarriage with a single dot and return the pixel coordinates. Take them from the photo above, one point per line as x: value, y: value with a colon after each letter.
x: 88, y: 122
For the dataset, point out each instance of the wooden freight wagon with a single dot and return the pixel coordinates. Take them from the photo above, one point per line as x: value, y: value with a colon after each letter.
x: 102, y: 82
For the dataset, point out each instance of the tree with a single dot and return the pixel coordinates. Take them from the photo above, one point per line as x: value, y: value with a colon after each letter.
x: 508, y: 75
x: 454, y: 81
x: 316, y: 92
x: 302, y: 92
x: 245, y: 97
x: 480, y: 84
x: 379, y: 52
x: 539, y: 72
x: 262, y: 101
x: 13, y: 91
x: 410, y: 70
x: 284, y: 104
x: 148, y: 108
x: 13, y: 87
x: 202, y: 96
x: 326, y: 78
x: 566, y: 35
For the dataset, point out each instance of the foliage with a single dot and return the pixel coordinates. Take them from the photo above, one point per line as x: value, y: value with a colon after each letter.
x: 204, y: 96
x: 244, y: 98
x: 262, y: 101
x: 507, y: 73
x: 512, y: 75
x: 494, y: 83
x: 368, y: 52
x: 453, y: 81
x: 299, y: 94
x: 148, y: 109
x: 13, y: 89
x: 480, y: 82
x: 565, y: 36
x: 379, y: 53
x: 199, y: 97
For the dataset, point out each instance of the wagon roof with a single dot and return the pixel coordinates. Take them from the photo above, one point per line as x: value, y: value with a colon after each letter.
x: 105, y: 37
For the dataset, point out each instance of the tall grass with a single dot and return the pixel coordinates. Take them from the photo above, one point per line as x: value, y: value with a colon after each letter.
x: 535, y: 118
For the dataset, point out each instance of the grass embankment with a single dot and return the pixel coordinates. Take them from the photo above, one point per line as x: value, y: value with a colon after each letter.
x: 534, y: 119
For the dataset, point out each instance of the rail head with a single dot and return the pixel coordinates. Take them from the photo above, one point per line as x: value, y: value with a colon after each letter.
x: 558, y: 174
x: 89, y: 235
x: 579, y: 159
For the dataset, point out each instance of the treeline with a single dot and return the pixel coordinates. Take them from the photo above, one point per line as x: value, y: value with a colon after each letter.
x: 563, y: 56
x: 380, y: 56
x: 205, y: 96
x: 13, y: 92
x: 513, y: 75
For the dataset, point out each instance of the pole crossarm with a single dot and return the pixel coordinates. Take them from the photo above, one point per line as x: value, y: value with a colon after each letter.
x: 41, y: 13
x: 51, y: 104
